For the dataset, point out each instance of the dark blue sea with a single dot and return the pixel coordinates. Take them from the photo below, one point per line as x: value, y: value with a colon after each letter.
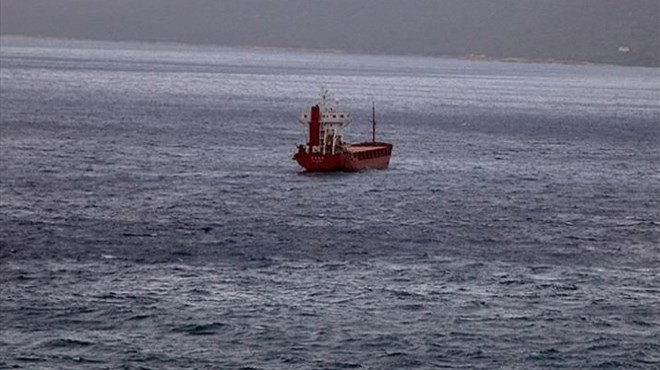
x: 151, y: 216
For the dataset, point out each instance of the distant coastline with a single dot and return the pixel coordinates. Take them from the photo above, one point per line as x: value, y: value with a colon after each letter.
x: 609, y: 32
x: 173, y: 44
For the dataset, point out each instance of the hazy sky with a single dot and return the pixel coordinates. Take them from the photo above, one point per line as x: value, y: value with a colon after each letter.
x: 610, y: 31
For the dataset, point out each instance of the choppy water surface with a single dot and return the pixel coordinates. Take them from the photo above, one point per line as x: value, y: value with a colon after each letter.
x: 151, y: 215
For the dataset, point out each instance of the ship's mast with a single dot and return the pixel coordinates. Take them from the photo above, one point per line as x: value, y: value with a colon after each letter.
x: 373, y: 122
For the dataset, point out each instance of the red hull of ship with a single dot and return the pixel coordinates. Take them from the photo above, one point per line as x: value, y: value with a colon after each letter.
x: 358, y: 157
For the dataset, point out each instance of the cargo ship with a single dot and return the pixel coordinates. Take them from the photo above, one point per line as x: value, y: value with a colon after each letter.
x: 326, y: 151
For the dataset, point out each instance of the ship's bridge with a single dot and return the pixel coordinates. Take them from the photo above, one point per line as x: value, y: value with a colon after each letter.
x: 331, y: 124
x: 328, y: 118
x: 330, y: 114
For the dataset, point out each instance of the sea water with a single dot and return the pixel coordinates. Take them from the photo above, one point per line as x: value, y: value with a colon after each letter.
x: 151, y: 215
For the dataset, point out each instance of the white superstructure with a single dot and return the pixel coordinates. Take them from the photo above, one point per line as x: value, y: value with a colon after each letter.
x: 332, y: 123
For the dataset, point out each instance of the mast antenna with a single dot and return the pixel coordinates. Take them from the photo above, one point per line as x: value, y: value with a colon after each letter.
x: 373, y: 122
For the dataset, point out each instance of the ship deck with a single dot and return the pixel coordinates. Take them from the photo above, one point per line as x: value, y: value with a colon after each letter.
x: 364, y: 147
